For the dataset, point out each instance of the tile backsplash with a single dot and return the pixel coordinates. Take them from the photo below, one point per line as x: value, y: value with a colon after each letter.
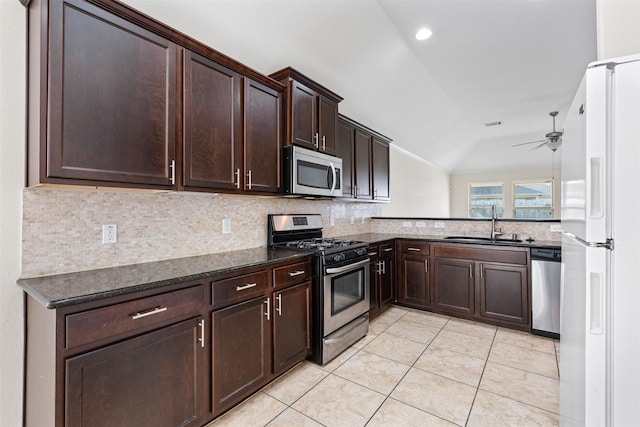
x: 62, y: 229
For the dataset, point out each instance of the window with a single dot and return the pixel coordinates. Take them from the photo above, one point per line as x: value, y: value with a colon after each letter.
x: 533, y: 199
x: 482, y: 197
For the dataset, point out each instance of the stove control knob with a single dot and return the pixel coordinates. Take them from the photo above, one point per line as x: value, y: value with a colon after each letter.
x: 338, y: 257
x: 361, y: 251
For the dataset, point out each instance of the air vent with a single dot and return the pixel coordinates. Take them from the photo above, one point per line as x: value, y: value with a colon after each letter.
x: 498, y: 123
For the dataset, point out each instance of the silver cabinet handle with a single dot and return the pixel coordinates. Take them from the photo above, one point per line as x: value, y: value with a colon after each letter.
x: 324, y: 143
x: 151, y: 312
x: 250, y: 181
x: 372, y: 253
x: 237, y: 173
x: 414, y: 249
x: 315, y: 139
x: 470, y: 271
x: 268, y: 312
x: 426, y: 265
x: 387, y: 249
x: 384, y: 267
x: 172, y: 166
x: 247, y: 286
x: 296, y: 273
x: 279, y: 306
x: 201, y: 339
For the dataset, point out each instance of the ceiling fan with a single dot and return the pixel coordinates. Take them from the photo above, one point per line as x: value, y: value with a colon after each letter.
x: 552, y: 140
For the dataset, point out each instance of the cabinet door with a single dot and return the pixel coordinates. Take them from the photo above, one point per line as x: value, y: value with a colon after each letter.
x: 374, y: 289
x: 212, y: 149
x: 304, y: 116
x: 263, y: 137
x: 327, y: 124
x: 454, y: 285
x: 380, y: 169
x: 241, y: 351
x: 414, y: 287
x: 345, y: 150
x: 362, y: 164
x: 291, y: 326
x: 504, y: 293
x: 154, y: 379
x: 111, y: 100
x: 386, y: 282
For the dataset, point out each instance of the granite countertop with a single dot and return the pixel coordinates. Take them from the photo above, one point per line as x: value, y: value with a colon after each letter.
x: 370, y: 238
x: 74, y: 288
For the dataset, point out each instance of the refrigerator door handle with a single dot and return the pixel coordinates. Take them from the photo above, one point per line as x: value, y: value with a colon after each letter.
x: 608, y: 244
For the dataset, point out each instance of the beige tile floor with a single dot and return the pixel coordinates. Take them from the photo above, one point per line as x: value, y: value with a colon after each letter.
x: 417, y: 369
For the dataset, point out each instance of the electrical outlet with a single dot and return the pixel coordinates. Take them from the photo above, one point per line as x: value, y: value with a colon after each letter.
x: 556, y: 228
x: 406, y: 224
x: 109, y: 233
x: 420, y: 224
x: 438, y: 224
x: 226, y: 226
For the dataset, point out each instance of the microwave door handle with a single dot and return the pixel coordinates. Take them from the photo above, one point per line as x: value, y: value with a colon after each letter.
x: 334, y: 178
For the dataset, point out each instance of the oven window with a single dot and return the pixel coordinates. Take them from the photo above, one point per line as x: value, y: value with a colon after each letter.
x: 347, y: 290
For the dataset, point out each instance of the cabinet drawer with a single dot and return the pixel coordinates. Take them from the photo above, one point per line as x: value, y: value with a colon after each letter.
x: 100, y: 323
x: 291, y: 274
x: 487, y: 254
x: 239, y: 288
x: 414, y: 247
x: 374, y: 252
x: 386, y: 249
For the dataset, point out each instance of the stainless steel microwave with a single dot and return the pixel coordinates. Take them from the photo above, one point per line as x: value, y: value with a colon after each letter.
x: 310, y: 173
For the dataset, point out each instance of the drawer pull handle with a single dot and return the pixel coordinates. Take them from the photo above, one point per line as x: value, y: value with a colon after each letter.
x: 387, y: 249
x: 296, y: 273
x: 414, y: 249
x: 150, y: 312
x: 247, y: 286
x: 372, y: 253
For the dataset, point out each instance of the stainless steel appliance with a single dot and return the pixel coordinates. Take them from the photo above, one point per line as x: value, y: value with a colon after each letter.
x: 340, y: 288
x: 309, y: 173
x: 545, y: 291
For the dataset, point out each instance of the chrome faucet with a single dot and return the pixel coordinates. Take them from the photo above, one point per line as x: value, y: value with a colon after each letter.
x: 494, y: 216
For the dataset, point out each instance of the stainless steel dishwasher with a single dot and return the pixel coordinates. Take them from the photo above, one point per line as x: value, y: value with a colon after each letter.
x: 545, y: 291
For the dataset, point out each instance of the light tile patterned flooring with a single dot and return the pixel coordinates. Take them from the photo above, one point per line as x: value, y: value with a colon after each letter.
x: 417, y: 368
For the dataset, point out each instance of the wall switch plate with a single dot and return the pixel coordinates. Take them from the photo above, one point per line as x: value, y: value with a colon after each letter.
x: 421, y: 224
x: 406, y: 224
x: 556, y: 228
x: 109, y: 233
x: 226, y: 226
x: 438, y: 224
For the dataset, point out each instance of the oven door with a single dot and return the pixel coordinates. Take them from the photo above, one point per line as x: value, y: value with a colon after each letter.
x: 346, y: 294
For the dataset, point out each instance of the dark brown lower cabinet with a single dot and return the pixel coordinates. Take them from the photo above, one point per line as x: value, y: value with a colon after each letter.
x: 504, y: 294
x: 153, y: 379
x: 291, y: 326
x: 414, y: 287
x: 241, y: 351
x: 453, y: 285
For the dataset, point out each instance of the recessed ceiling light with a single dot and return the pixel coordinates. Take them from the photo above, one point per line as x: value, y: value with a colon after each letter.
x: 423, y: 34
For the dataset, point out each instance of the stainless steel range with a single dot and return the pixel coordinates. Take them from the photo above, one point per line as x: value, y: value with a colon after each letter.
x: 340, y: 287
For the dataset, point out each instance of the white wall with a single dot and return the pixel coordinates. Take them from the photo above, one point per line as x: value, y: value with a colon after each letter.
x: 618, y: 28
x: 460, y: 188
x: 418, y: 188
x: 12, y: 148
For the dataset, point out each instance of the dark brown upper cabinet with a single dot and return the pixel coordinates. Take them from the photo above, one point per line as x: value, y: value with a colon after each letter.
x: 365, y: 161
x: 107, y: 111
x: 232, y: 129
x: 119, y: 99
x: 311, y: 112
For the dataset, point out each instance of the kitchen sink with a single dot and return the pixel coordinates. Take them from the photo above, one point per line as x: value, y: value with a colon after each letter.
x: 472, y: 239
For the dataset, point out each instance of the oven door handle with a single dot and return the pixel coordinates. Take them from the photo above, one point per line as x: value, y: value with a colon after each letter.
x: 347, y: 267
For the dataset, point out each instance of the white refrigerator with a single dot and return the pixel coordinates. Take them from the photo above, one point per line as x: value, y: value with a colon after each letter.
x: 600, y: 211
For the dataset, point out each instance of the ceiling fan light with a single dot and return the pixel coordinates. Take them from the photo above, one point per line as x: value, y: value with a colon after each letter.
x: 423, y: 34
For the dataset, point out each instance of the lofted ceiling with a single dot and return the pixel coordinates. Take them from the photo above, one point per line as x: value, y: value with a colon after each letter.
x: 488, y: 60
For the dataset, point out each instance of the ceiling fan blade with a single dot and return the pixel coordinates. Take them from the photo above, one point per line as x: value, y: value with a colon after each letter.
x: 539, y: 146
x: 527, y: 143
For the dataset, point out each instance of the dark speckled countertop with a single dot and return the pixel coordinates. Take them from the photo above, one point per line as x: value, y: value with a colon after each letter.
x: 74, y: 288
x: 380, y: 237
